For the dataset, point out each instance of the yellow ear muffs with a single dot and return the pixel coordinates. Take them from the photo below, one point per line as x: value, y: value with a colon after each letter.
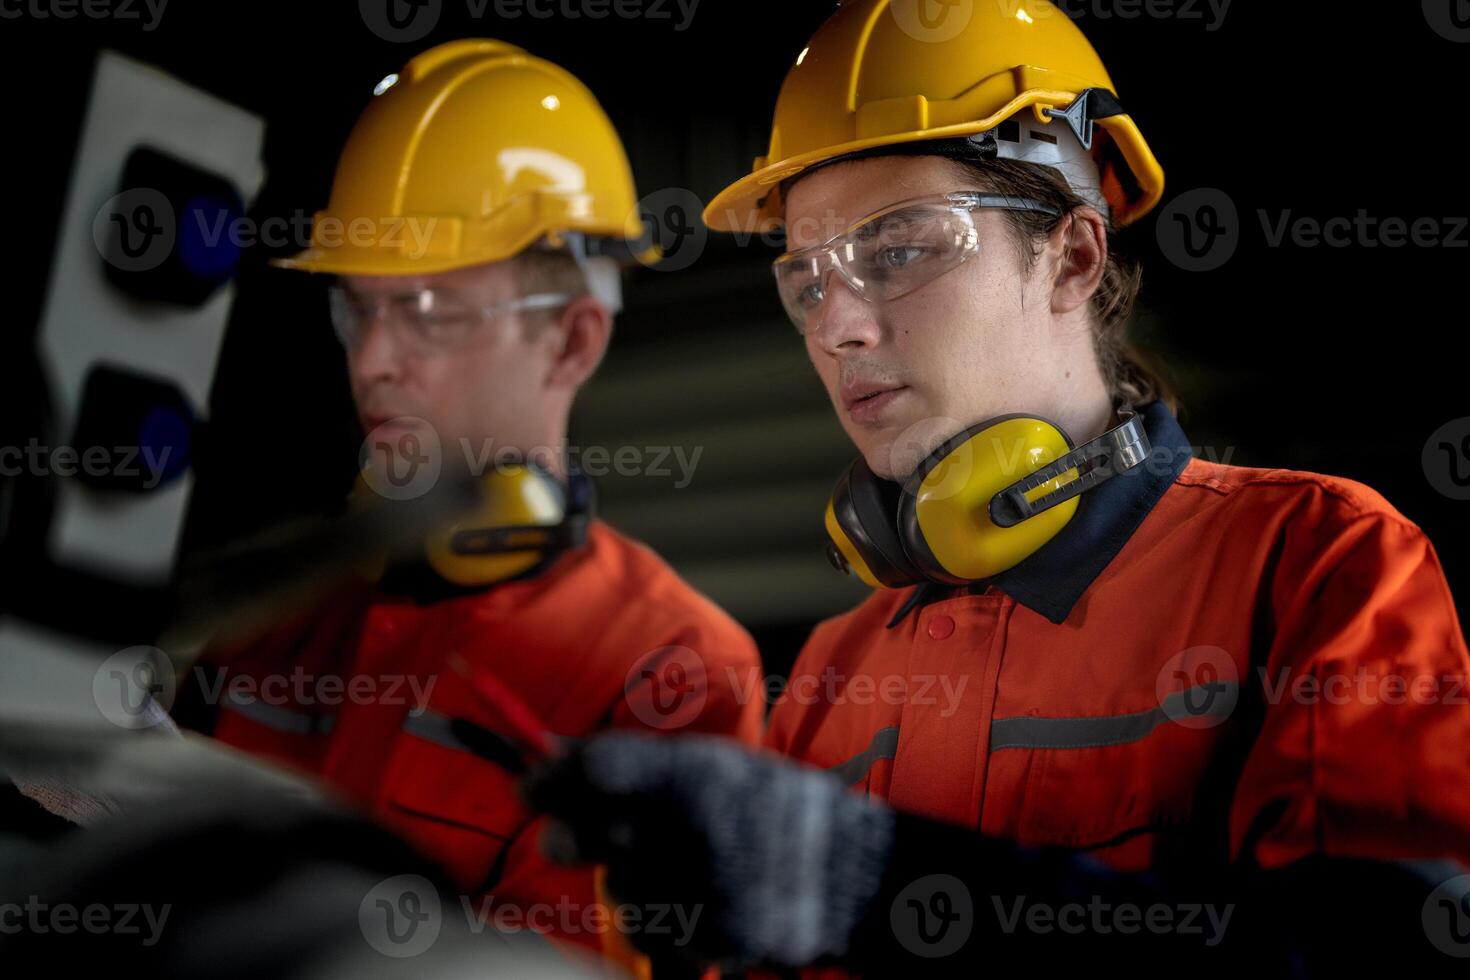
x: 946, y: 517
x: 521, y: 521
x: 863, y: 532
x: 979, y: 504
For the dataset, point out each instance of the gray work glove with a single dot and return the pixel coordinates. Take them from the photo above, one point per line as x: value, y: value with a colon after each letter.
x: 771, y: 862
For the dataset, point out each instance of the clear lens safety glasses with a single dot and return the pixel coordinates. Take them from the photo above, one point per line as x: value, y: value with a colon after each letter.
x: 891, y: 253
x: 425, y: 320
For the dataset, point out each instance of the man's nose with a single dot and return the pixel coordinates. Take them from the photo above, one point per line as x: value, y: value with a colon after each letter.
x: 847, y: 323
x: 376, y: 355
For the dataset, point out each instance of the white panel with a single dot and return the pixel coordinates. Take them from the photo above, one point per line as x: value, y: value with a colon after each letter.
x: 88, y: 321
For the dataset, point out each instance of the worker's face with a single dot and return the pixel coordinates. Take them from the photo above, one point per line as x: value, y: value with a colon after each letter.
x: 493, y: 383
x: 968, y: 346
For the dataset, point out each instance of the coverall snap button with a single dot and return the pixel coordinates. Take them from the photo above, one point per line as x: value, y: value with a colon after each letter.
x: 940, y: 627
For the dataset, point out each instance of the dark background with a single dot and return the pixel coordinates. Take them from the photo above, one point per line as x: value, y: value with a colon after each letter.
x: 1341, y: 360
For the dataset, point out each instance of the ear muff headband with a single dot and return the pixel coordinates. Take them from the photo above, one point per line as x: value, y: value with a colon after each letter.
x: 1119, y: 449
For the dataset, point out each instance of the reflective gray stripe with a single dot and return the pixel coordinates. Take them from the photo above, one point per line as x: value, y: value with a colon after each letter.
x: 883, y: 746
x: 281, y: 719
x: 434, y: 727
x: 1027, y: 732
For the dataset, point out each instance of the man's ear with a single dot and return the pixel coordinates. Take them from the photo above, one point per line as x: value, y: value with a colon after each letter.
x: 1081, y: 243
x: 579, y: 338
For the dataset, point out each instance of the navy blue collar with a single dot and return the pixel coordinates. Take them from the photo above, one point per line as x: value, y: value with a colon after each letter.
x: 1052, y: 580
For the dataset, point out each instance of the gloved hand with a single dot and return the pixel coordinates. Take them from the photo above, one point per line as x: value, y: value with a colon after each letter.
x: 774, y: 862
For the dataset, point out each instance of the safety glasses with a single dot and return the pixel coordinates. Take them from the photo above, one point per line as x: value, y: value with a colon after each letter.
x: 425, y: 320
x: 890, y: 253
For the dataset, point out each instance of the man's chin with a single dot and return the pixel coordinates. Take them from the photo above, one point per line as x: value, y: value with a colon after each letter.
x: 897, y: 451
x: 882, y: 459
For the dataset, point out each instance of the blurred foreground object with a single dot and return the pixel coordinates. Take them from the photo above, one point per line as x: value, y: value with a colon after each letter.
x: 790, y: 869
x: 123, y: 844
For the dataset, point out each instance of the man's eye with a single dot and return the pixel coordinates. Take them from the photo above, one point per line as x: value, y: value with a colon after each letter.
x: 897, y: 257
x: 442, y: 321
x: 360, y: 307
x: 811, y: 296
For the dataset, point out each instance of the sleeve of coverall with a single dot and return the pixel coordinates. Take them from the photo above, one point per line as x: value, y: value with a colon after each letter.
x: 707, y: 681
x: 1364, y: 744
x: 711, y: 684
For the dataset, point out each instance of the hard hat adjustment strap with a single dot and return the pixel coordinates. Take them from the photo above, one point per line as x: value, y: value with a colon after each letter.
x: 1090, y: 105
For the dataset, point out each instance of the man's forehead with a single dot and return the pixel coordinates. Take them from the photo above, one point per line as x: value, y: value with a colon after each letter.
x: 493, y: 278
x: 828, y: 202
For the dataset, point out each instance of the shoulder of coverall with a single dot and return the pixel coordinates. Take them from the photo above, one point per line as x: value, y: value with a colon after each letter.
x: 1322, y: 525
x: 661, y: 627
x: 617, y: 592
x: 612, y: 580
x: 631, y: 572
x: 1173, y: 486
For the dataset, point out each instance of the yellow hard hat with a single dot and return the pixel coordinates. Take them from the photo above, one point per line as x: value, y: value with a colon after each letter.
x: 473, y: 152
x: 881, y: 73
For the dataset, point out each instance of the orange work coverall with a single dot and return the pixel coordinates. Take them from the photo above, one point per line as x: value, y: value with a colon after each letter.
x: 608, y: 637
x: 1210, y: 663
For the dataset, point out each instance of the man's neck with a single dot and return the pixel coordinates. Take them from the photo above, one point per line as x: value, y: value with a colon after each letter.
x: 550, y: 453
x: 1088, y: 416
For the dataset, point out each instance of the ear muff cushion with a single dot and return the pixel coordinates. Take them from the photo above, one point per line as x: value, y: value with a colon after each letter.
x: 944, y: 509
x: 866, y: 508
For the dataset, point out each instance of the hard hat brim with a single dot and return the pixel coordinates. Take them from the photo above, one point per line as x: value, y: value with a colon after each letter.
x: 324, y: 262
x: 752, y: 204
x: 340, y: 263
